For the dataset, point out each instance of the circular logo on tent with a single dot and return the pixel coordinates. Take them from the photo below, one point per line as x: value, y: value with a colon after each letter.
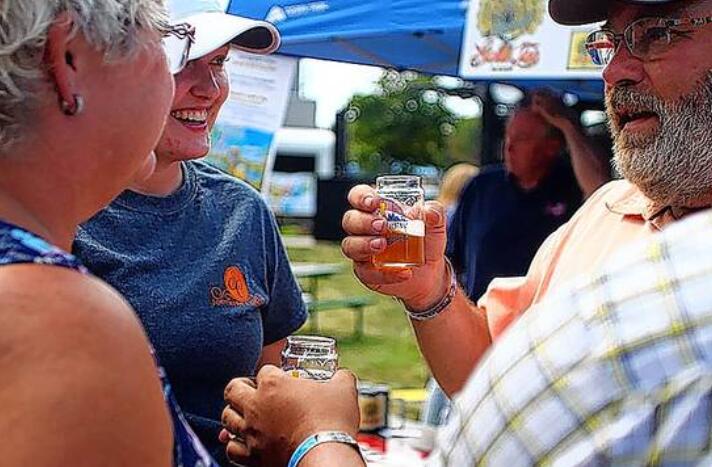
x: 509, y: 19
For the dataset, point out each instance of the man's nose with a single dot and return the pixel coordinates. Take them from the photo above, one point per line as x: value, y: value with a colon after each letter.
x: 624, y: 68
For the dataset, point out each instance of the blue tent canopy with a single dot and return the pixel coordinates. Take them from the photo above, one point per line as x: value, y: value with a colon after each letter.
x: 420, y: 35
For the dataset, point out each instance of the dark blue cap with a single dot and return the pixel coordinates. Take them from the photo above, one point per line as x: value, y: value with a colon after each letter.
x: 577, y: 12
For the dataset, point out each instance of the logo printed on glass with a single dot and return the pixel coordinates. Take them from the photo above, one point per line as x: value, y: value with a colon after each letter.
x: 398, y: 223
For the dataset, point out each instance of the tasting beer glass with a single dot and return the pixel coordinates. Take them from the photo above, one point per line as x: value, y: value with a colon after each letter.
x: 402, y: 199
x: 310, y: 357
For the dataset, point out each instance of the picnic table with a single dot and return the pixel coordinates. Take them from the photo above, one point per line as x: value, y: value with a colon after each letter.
x: 312, y: 273
x: 315, y: 271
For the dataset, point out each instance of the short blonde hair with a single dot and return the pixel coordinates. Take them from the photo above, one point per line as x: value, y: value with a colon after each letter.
x: 109, y: 25
x: 454, y: 181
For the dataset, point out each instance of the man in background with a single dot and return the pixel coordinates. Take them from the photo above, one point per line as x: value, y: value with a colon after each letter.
x: 507, y: 211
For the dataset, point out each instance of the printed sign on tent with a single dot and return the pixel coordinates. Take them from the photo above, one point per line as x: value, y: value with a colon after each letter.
x: 244, y: 133
x: 518, y: 39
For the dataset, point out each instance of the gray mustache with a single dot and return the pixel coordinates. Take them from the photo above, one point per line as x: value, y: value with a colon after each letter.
x: 633, y: 101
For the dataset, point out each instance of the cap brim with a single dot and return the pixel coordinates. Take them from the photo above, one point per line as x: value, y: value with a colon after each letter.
x: 578, y: 12
x: 215, y: 29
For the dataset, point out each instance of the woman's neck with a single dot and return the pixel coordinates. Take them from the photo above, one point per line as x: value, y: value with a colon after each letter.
x: 165, y: 180
x: 56, y: 230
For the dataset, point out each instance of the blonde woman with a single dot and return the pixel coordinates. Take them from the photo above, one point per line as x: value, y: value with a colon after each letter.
x: 453, y: 182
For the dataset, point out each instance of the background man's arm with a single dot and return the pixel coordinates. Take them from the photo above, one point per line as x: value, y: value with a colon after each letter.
x: 589, y: 160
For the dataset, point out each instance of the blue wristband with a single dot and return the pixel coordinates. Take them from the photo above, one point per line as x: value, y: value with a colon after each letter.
x: 321, y: 438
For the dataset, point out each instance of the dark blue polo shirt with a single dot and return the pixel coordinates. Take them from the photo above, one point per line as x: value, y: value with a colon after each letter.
x: 497, y: 228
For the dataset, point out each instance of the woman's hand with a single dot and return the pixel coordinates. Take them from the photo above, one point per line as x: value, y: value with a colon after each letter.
x: 420, y: 287
x: 266, y: 421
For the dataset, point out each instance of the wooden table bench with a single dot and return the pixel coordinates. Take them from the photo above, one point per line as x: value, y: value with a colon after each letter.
x: 313, y: 273
x: 356, y: 304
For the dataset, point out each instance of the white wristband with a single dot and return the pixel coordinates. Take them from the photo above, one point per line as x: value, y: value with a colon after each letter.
x: 321, y: 438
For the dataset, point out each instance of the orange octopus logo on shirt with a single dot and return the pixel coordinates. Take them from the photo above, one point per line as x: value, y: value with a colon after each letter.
x: 236, y: 285
x: 234, y: 291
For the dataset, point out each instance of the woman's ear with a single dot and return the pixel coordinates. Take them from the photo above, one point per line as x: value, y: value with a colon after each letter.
x: 61, y: 60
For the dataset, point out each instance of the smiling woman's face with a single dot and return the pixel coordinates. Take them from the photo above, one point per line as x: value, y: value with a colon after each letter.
x: 201, y: 89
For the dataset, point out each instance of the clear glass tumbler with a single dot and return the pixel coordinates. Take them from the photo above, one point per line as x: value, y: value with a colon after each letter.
x: 310, y: 357
x: 402, y: 198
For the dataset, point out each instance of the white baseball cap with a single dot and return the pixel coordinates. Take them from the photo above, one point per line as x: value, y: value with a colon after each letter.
x: 215, y: 28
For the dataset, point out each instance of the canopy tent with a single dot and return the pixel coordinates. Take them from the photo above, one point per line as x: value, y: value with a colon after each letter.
x: 420, y: 35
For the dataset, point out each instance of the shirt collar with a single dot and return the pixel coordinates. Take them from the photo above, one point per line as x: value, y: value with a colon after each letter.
x: 632, y: 202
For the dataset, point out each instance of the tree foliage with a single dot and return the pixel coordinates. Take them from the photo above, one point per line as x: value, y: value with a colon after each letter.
x: 464, y: 145
x: 405, y: 121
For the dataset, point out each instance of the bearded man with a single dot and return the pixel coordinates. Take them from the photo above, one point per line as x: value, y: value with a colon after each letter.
x: 659, y: 101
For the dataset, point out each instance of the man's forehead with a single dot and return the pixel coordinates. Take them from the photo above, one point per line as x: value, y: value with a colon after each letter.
x: 526, y: 118
x: 622, y: 13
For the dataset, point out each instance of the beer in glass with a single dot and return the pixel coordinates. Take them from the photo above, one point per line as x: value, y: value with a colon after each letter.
x: 402, y: 199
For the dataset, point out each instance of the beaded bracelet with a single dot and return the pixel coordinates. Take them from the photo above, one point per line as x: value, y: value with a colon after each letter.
x: 439, y: 307
x: 321, y: 438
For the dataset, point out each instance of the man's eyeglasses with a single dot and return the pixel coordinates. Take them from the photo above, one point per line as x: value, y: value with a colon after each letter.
x: 177, y: 40
x: 646, y: 38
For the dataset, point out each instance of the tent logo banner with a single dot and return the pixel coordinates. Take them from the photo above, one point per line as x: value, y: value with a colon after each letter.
x: 517, y: 39
x: 278, y: 13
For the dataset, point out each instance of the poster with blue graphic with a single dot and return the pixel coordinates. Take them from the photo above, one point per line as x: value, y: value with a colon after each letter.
x: 242, y: 152
x: 293, y: 194
x: 243, y: 136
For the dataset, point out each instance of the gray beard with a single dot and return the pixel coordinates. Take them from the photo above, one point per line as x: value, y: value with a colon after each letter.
x: 672, y: 167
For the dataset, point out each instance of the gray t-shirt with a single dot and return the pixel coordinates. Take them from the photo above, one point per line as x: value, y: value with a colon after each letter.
x: 207, y: 273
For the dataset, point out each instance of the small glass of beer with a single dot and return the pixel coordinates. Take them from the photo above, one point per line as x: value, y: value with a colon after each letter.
x: 402, y: 199
x: 310, y: 357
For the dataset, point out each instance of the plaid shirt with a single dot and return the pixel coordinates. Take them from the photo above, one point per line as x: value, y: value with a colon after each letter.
x: 614, y: 370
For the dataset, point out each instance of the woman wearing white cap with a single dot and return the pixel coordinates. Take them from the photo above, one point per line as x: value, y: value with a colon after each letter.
x: 195, y: 251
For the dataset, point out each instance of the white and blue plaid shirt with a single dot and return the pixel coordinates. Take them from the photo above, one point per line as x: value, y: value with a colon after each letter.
x: 614, y: 370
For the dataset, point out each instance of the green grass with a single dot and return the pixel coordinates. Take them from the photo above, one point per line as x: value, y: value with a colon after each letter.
x: 388, y: 352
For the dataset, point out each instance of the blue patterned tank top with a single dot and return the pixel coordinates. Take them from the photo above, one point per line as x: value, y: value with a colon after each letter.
x: 20, y: 246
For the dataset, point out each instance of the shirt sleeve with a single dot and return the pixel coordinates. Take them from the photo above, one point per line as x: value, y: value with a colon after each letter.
x: 507, y: 298
x: 286, y: 311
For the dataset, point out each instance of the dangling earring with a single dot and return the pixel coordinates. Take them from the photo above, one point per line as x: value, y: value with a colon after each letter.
x: 72, y: 109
